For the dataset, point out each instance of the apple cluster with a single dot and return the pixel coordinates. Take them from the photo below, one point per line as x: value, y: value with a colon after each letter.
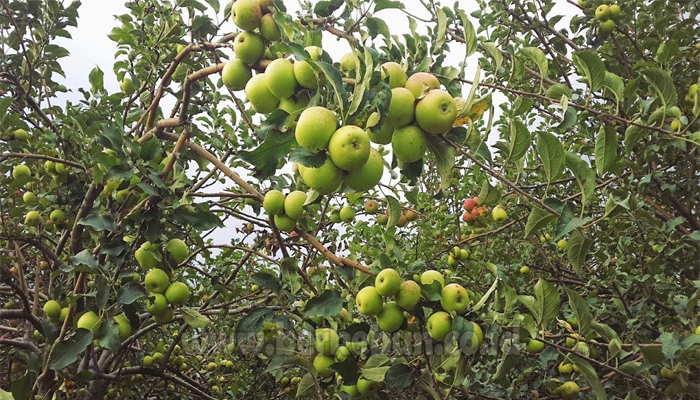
x: 608, y: 15
x: 285, y: 210
x: 33, y: 217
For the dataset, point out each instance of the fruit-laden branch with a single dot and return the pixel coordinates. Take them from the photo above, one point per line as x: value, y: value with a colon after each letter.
x: 330, y: 255
x: 475, y: 237
x: 501, y: 178
x: 5, y: 156
x: 159, y: 373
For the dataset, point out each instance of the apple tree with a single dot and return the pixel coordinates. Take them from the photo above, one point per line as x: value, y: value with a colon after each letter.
x: 499, y: 201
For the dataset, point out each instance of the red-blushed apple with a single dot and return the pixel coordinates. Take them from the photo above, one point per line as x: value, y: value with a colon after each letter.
x: 280, y: 78
x: 249, y: 47
x: 420, y: 82
x: 402, y: 221
x: 324, y: 179
x: 246, y: 14
x: 401, y: 107
x: 258, y: 94
x: 409, y: 143
x: 469, y: 204
x: 371, y: 206
x: 236, y: 74
x: 411, y: 215
x: 315, y: 128
x: 395, y: 72
x: 367, y: 176
x: 436, y: 113
x: 269, y: 28
x: 349, y: 148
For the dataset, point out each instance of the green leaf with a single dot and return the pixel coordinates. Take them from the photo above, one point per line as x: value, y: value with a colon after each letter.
x: 585, y: 176
x: 307, y: 385
x: 251, y: 324
x: 267, y: 280
x: 633, y: 134
x: 567, y: 221
x: 489, y: 195
x: 376, y: 367
x: 398, y: 376
x: 589, y: 64
x: 662, y: 83
x: 444, y: 159
x: 6, y: 395
x: 531, y: 303
x: 131, y: 292
x: 384, y: 4
x: 670, y: 344
x: 266, y: 156
x: 519, y: 140
x: 666, y: 51
x: 578, y: 249
x: 99, y: 223
x: 494, y: 52
x: 336, y: 81
x: 558, y: 90
x: 96, y: 79
x: 326, y: 305
x: 394, y: 208
x: 547, y: 300
x: 194, y: 319
x: 441, y: 28
x: 509, y: 359
x: 377, y: 26
x: 581, y: 312
x: 552, y: 154
x: 605, y: 149
x: 615, y: 84
x: 214, y: 4
x: 108, y: 336
x: 590, y: 375
x: 22, y: 387
x: 540, y: 60
x: 538, y: 219
x: 470, y: 35
x: 66, y: 352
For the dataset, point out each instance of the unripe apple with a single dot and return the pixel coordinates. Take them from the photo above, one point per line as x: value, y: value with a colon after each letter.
x: 383, y: 134
x: 367, y: 176
x: 349, y: 148
x: 62, y: 169
x: 156, y: 281
x: 454, y: 297
x: 401, y: 107
x: 157, y: 304
x: 177, y: 249
x: 602, y: 13
x: 280, y: 78
x: 534, y: 346
x: 236, y: 74
x: 409, y: 143
x: 347, y: 214
x: 273, y: 203
x: 327, y: 341
x: 368, y: 301
x: 390, y: 318
x: 324, y: 179
x: 371, y: 207
x: 408, y: 295
x: 124, y: 326
x: 697, y: 330
x: 32, y: 218
x: 147, y: 256
x: 315, y: 128
x: 29, y: 198
x: 347, y: 64
x: 269, y: 28
x: 387, y: 282
x: 21, y: 171
x: 127, y: 86
x: 675, y: 125
x: 89, y: 321
x: 50, y: 167
x: 321, y: 365
x: 57, y: 216
x: 52, y: 309
x: 420, y: 82
x: 524, y: 270
x: 249, y: 47
x: 569, y: 390
x: 303, y: 71
x: 285, y: 223
x: 439, y: 325
x: 177, y: 293
x: 367, y: 388
x: 607, y: 26
x: 436, y: 112
x: 246, y: 14
x: 499, y: 214
x: 294, y: 104
x: 382, y: 219
x: 165, y: 317
x: 260, y: 96
x: 615, y: 12
x: 294, y: 204
x: 21, y: 135
x: 411, y: 215
x: 395, y: 72
x: 561, y: 245
x: 566, y: 368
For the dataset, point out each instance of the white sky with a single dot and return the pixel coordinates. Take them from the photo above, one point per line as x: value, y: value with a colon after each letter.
x: 91, y: 47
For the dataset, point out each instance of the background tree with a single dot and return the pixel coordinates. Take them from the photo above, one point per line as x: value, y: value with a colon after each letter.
x: 394, y: 227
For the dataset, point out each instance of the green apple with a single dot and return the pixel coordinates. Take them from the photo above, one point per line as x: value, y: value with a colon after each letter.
x: 315, y: 128
x: 408, y: 295
x: 89, y: 321
x: 395, y: 72
x: 322, y: 364
x: 335, y: 216
x: 382, y: 219
x: 304, y: 73
x: 476, y: 340
x: 382, y: 135
x: 246, y: 14
x: 52, y: 309
x: 164, y: 317
x: 57, y: 216
x: 421, y: 82
x: 127, y: 86
x: 368, y: 301
x: 64, y: 313
x: 566, y: 368
x: 236, y: 74
x: 327, y: 341
x: 157, y: 304
x: 294, y: 104
x: 561, y: 245
x: 177, y: 293
x: 249, y: 47
x: 62, y: 169
x: 260, y: 96
x: 534, y: 346
x: 499, y: 214
x: 524, y: 270
x: 33, y: 218
x: 357, y: 348
x: 371, y: 206
x: 29, y: 198
x: 367, y: 388
x: 21, y: 171
x: 324, y: 179
x: 667, y: 373
x: 50, y: 167
x: 351, y: 391
x: 349, y: 148
x: 348, y: 64
x: 254, y: 288
x: 347, y: 214
x: 390, y: 318
x: 615, y: 12
x: 342, y: 353
x: 177, y: 249
x: 409, y: 143
x: 387, y: 282
x: 401, y: 107
x: 428, y: 277
x: 602, y: 13
x: 269, y: 28
x: 451, y: 261
x: 411, y: 215
x: 284, y: 223
x: 606, y: 27
x: 454, y: 297
x: 273, y: 203
x: 464, y: 254
x: 147, y: 361
x: 697, y: 330
x: 280, y: 78
x: 436, y: 112
x: 569, y: 390
x: 369, y: 175
x: 294, y: 204
x: 124, y: 326
x: 156, y: 281
x: 147, y: 256
x: 122, y: 195
x: 439, y: 325
x: 21, y: 135
x: 675, y: 125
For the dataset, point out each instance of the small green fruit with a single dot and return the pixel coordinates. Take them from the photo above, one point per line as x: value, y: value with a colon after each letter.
x: 52, y: 309
x: 29, y: 198
x: 157, y: 281
x: 273, y: 203
x: 347, y: 214
x: 21, y: 171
